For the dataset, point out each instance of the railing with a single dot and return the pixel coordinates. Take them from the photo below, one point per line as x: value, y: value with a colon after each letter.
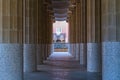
x: 60, y: 45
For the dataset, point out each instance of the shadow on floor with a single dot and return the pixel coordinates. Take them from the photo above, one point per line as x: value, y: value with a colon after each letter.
x: 61, y: 70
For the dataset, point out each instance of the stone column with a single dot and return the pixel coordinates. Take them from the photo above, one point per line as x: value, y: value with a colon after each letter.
x: 77, y: 29
x: 52, y: 49
x: 83, y: 31
x: 44, y: 32
x: 71, y: 36
x: 69, y: 32
x: 11, y: 39
x: 49, y: 34
x: 74, y: 31
x: 47, y: 42
x: 93, y: 36
x: 110, y: 39
x: 40, y: 33
x: 30, y: 29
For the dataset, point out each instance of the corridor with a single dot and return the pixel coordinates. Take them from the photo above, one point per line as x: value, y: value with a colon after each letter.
x: 60, y: 68
x: 34, y: 47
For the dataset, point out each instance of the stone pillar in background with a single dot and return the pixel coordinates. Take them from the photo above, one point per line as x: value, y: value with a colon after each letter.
x: 93, y: 36
x: 11, y: 47
x: 51, y: 38
x: 30, y: 29
x: 77, y: 29
x: 44, y: 32
x: 110, y: 13
x: 74, y: 29
x: 71, y: 32
x: 50, y: 32
x: 83, y: 31
x: 52, y: 48
x: 39, y: 33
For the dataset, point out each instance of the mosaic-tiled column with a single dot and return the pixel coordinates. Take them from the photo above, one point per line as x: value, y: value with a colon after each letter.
x: 11, y: 39
x: 93, y: 36
x: 110, y: 18
x: 30, y: 29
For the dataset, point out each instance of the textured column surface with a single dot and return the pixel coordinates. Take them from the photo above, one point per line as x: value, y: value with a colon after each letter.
x: 83, y: 31
x: 11, y: 62
x: 83, y: 53
x: 52, y: 49
x: 29, y: 57
x: 30, y: 34
x: 111, y: 60
x: 39, y: 54
x: 72, y: 50
x: 93, y: 36
x: 77, y: 52
x: 44, y: 51
x: 110, y: 13
x: 11, y: 36
x: 40, y: 33
x: 48, y: 50
x: 69, y: 48
x: 93, y: 57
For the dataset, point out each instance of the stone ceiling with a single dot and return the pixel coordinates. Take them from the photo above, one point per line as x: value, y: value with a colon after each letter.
x: 60, y: 9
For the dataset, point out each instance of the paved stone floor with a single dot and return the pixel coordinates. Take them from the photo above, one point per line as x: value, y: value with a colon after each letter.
x: 61, y: 70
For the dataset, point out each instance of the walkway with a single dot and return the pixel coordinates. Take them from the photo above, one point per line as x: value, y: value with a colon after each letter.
x: 61, y: 68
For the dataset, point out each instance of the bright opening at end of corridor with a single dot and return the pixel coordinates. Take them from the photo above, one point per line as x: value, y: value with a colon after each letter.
x: 60, y: 40
x: 60, y: 36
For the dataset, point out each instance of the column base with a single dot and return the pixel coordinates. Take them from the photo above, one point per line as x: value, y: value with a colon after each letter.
x: 29, y: 57
x: 111, y: 60
x: 83, y: 54
x: 11, y: 62
x: 68, y: 47
x: 77, y: 52
x: 52, y: 48
x: 39, y: 54
x: 44, y: 51
x: 93, y: 57
x: 71, y: 49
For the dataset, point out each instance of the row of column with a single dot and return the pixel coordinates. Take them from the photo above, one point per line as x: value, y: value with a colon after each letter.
x: 45, y: 32
x: 77, y: 33
x: 96, y: 30
x: 25, y: 37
